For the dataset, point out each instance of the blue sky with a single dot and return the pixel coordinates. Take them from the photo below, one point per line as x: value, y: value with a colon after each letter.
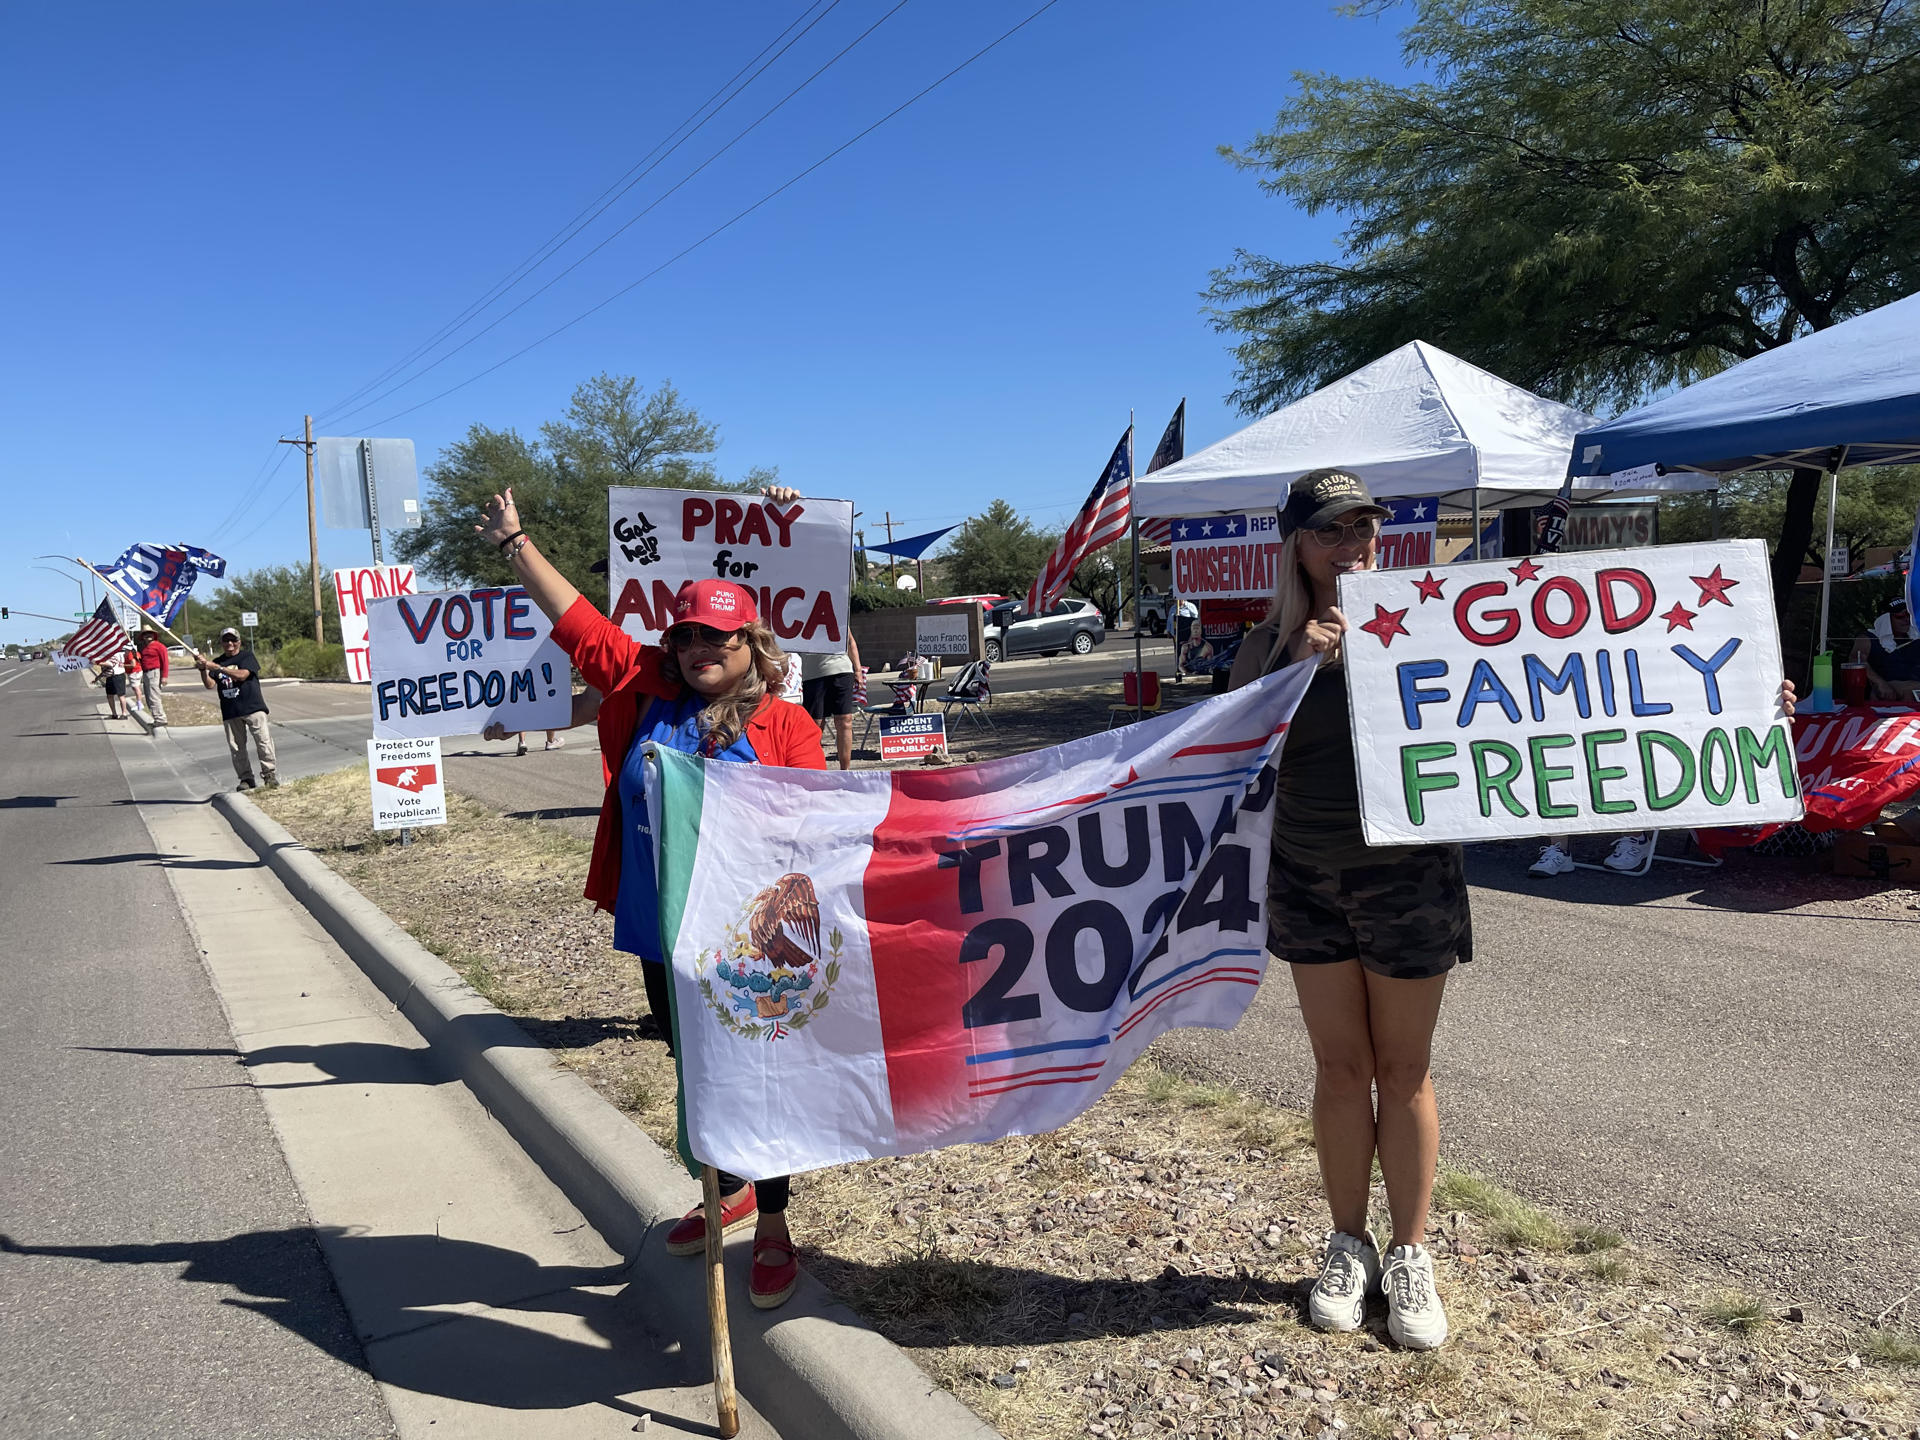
x: 223, y: 217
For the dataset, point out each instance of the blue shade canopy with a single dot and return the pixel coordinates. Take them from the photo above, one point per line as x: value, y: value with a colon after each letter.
x: 914, y: 546
x: 1856, y: 384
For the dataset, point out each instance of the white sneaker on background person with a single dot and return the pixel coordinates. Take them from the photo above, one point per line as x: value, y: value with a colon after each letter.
x: 1631, y: 852
x: 1349, y: 1272
x: 1554, y: 860
x: 1415, y: 1318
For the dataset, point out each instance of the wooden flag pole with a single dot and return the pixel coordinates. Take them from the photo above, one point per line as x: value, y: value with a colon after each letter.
x: 131, y: 606
x: 726, y: 1401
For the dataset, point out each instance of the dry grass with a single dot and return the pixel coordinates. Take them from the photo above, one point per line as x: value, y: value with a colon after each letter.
x: 1143, y: 1271
x: 192, y: 710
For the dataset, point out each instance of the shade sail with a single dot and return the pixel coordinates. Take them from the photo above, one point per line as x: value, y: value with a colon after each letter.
x: 1417, y: 421
x: 1856, y: 384
x: 913, y: 546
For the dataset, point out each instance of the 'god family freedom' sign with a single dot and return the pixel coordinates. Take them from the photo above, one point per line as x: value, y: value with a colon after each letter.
x: 796, y: 559
x: 1609, y: 690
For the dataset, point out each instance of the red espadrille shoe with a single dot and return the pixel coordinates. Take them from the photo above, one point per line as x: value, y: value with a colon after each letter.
x: 689, y: 1237
x: 772, y: 1281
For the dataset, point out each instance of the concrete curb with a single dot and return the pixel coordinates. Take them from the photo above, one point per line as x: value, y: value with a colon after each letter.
x: 812, y: 1368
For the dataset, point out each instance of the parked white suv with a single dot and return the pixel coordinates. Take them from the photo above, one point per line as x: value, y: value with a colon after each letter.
x: 1074, y: 625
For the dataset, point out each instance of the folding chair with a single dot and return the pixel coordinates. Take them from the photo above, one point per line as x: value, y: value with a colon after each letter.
x: 1139, y: 692
x: 972, y: 692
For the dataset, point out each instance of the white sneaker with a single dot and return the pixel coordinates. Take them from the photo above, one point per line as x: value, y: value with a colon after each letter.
x: 1414, y: 1316
x: 1554, y: 860
x: 1350, y: 1271
x: 1630, y: 853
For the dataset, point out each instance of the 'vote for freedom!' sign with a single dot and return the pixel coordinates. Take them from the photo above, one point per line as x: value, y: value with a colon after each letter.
x: 796, y: 559
x: 452, y: 662
x: 1608, y: 690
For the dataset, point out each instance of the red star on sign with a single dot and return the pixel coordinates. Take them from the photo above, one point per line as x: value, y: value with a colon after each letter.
x: 1526, y: 570
x: 1386, y: 624
x: 1678, y: 618
x: 1429, y: 588
x: 1714, y: 587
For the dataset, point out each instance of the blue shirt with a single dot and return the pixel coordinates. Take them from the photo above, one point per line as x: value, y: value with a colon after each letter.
x: 636, y: 907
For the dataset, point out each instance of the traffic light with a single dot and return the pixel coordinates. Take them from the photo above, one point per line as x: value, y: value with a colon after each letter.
x: 3, y: 612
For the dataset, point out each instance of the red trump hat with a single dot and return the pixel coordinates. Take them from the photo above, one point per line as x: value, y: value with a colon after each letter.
x: 719, y: 603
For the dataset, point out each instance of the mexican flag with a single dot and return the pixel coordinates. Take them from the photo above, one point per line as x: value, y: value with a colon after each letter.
x: 877, y: 963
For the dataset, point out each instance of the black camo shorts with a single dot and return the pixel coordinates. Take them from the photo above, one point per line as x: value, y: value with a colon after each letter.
x: 1406, y: 917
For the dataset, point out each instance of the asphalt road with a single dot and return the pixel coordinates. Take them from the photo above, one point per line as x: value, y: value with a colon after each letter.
x: 153, y: 1205
x: 1720, y: 1062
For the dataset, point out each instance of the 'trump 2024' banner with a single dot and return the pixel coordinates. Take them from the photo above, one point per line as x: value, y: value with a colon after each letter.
x: 796, y: 559
x: 1610, y: 690
x: 871, y: 963
x: 452, y: 662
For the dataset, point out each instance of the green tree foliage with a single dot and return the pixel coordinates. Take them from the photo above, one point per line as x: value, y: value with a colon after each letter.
x: 612, y: 434
x: 1102, y: 576
x: 1875, y: 507
x: 282, y: 596
x: 1594, y: 198
x: 997, y: 552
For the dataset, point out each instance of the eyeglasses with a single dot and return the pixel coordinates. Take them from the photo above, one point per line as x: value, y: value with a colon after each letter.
x: 685, y: 637
x: 1354, y: 532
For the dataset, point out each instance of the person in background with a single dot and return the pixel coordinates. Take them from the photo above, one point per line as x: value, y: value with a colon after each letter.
x: 243, y: 709
x: 1556, y: 856
x: 1892, y: 652
x: 554, y: 738
x: 706, y: 689
x: 130, y: 662
x: 827, y: 683
x: 154, y: 669
x: 1185, y: 612
x: 113, y: 680
x: 586, y: 709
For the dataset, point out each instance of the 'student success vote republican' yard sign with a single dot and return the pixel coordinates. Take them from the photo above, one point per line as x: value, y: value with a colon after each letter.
x: 1607, y: 690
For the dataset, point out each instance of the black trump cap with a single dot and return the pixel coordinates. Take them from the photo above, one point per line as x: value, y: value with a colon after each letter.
x: 1319, y: 495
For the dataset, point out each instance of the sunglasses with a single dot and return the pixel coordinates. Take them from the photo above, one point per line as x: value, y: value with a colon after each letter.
x: 685, y: 637
x: 1354, y: 532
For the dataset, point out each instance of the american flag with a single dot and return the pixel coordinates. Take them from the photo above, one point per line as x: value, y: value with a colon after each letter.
x: 1101, y: 521
x: 1172, y: 448
x: 101, y: 638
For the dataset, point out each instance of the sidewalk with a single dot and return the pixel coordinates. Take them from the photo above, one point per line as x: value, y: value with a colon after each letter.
x: 486, y: 1305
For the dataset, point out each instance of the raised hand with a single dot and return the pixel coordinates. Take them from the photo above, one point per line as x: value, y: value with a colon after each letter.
x: 499, y: 518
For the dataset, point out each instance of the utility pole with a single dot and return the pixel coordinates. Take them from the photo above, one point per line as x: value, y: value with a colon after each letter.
x: 313, y: 534
x: 893, y: 563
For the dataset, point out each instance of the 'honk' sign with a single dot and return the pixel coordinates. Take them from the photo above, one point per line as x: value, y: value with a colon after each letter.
x: 1608, y: 690
x: 451, y: 663
x: 796, y: 559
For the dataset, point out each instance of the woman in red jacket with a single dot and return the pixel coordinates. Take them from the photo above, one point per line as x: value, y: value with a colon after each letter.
x: 706, y: 690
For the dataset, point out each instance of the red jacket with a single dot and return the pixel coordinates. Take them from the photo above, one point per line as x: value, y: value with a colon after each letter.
x: 153, y: 655
x: 628, y: 673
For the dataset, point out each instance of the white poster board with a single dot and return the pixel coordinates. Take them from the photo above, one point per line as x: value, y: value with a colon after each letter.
x: 451, y: 662
x: 352, y: 590
x: 1225, y: 557
x: 947, y: 636
x: 409, y: 787
x: 796, y: 559
x: 1568, y: 694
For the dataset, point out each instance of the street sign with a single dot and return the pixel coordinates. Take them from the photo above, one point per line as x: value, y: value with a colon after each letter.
x: 906, y: 737
x: 249, y: 618
x: 1837, y: 559
x: 409, y: 787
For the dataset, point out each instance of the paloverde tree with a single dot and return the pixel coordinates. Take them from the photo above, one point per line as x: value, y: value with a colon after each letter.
x: 997, y: 552
x: 1595, y: 198
x: 612, y: 434
x: 281, y: 595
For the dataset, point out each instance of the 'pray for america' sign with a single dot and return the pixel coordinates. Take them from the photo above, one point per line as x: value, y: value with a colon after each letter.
x: 1609, y: 690
x: 796, y: 559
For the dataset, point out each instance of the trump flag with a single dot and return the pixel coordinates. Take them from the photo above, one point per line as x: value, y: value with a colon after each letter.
x: 877, y: 963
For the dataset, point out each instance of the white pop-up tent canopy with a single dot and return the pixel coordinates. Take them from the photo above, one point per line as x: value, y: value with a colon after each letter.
x: 1417, y: 421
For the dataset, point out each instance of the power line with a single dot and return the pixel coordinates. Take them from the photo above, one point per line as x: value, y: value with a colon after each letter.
x: 251, y: 491
x: 588, y: 213
x: 729, y: 224
x: 632, y: 220
x: 272, y: 514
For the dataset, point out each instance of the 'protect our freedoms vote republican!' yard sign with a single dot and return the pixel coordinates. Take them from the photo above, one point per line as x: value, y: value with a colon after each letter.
x: 1608, y: 690
x: 451, y: 662
x: 796, y: 559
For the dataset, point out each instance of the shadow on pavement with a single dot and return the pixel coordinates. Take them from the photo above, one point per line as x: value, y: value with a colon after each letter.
x: 579, y: 1032
x: 32, y: 802
x: 165, y: 862
x: 349, y: 1062
x: 556, y: 812
x: 484, y: 1360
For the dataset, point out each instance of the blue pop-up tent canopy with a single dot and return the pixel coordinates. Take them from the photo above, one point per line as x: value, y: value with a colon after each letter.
x: 1856, y: 384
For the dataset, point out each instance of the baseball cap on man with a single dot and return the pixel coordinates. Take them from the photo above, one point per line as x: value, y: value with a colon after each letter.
x: 1319, y: 496
x: 719, y: 603
x: 229, y: 631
